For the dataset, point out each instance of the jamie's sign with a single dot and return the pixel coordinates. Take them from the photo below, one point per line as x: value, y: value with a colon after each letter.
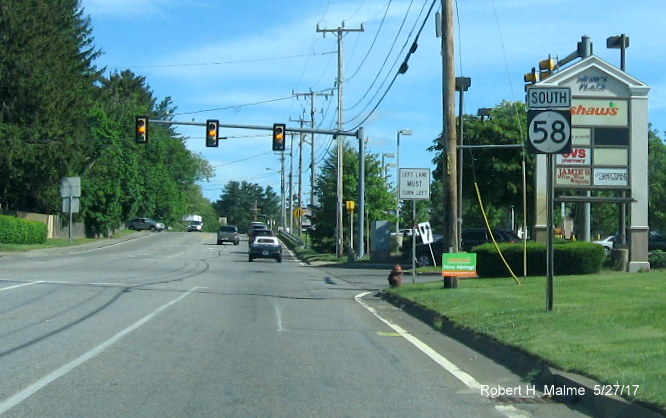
x: 572, y: 176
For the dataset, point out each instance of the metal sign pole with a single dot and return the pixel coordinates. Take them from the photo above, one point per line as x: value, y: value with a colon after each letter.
x: 549, y: 225
x: 413, y: 241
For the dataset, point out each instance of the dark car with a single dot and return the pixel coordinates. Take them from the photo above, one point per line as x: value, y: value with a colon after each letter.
x: 471, y: 237
x: 252, y: 232
x: 265, y: 247
x: 656, y: 241
x: 139, y: 224
x: 228, y: 233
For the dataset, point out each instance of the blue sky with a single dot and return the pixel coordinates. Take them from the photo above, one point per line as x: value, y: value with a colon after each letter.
x: 240, y: 61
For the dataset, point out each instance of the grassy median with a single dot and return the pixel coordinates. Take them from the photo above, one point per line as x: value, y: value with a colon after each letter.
x: 610, y: 326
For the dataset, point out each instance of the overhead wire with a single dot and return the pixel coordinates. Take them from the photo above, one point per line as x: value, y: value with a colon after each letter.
x: 372, y: 44
x: 432, y: 5
x: 381, y: 69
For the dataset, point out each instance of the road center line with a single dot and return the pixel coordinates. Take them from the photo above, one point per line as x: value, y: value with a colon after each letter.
x: 20, y: 285
x: 24, y: 394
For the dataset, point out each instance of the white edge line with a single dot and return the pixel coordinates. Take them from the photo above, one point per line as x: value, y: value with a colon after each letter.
x: 507, y: 410
x: 445, y: 363
x: 20, y: 285
x: 25, y: 393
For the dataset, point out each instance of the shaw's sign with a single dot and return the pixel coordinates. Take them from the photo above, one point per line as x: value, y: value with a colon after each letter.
x: 599, y: 112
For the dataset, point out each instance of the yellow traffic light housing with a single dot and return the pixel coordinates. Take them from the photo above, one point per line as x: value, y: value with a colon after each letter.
x: 141, y: 130
x: 532, y: 77
x: 212, y: 132
x: 546, y: 67
x: 278, y: 136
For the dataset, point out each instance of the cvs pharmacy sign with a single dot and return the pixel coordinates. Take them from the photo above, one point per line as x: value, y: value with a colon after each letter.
x: 577, y: 156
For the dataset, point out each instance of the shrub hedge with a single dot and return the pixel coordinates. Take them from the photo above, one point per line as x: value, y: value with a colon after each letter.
x: 575, y: 257
x: 21, y: 231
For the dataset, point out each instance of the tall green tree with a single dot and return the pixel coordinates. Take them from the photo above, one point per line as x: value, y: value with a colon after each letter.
x: 243, y: 202
x: 380, y: 201
x: 46, y: 88
x: 656, y: 181
x: 498, y: 172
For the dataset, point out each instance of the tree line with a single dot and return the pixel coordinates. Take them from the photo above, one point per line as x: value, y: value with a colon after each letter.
x: 60, y: 116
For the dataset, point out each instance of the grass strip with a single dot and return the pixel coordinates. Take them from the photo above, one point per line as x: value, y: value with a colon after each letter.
x: 610, y: 326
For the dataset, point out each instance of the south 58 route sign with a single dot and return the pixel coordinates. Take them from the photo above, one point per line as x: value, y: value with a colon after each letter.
x: 549, y: 131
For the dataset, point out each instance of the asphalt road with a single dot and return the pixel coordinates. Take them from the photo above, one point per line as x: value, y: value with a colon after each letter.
x: 172, y: 325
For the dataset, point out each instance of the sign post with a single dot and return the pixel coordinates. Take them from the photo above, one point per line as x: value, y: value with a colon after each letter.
x: 549, y: 132
x: 414, y: 184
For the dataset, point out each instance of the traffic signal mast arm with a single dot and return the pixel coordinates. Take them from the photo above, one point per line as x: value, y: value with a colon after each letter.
x: 355, y: 133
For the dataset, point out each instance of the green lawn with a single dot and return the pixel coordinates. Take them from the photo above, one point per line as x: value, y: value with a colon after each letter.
x: 609, y: 326
x: 55, y: 242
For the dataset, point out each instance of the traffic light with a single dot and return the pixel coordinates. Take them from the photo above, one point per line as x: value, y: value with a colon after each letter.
x: 212, y: 131
x: 278, y: 136
x: 546, y: 67
x: 141, y: 130
x: 531, y: 78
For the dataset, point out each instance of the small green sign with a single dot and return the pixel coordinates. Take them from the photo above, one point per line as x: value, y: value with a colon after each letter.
x: 459, y: 264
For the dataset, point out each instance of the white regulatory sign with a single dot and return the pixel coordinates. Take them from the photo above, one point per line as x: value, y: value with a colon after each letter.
x: 549, y: 131
x: 548, y: 97
x: 414, y: 184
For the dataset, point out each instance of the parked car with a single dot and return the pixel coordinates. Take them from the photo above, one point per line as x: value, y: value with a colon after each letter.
x: 228, y: 233
x: 607, y: 243
x: 471, y: 237
x: 195, y: 226
x: 265, y: 247
x: 656, y: 241
x: 139, y: 224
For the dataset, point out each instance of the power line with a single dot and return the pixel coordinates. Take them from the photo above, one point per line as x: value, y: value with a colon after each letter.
x: 202, y: 64
x: 235, y: 107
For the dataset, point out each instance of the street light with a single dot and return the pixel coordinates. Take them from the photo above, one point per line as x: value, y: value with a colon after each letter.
x: 397, y: 178
x: 384, y: 157
x: 283, y: 213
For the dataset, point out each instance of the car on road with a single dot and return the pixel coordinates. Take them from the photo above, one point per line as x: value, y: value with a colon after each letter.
x: 254, y: 227
x: 656, y: 241
x: 265, y: 247
x: 471, y: 237
x: 139, y: 224
x: 228, y: 233
x: 195, y: 226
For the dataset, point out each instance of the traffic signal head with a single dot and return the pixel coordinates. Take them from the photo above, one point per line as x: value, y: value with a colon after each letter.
x: 212, y: 131
x: 278, y: 136
x: 531, y: 77
x: 547, y: 67
x: 141, y: 130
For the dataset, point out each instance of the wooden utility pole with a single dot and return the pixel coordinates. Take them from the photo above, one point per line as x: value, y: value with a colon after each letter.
x: 339, y: 33
x: 448, y: 139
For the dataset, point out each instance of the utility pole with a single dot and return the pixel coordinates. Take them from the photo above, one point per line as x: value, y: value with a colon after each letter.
x: 313, y: 164
x: 448, y: 140
x: 300, y: 172
x: 339, y: 33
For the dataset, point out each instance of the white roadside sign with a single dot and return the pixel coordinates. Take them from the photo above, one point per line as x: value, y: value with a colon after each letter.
x: 414, y: 184
x: 425, y: 232
x: 548, y: 97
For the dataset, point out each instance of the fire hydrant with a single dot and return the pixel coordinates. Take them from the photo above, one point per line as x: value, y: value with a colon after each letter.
x: 395, y: 276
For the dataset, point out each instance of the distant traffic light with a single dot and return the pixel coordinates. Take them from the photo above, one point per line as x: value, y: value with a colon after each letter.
x: 141, y: 130
x: 278, y: 136
x: 212, y: 131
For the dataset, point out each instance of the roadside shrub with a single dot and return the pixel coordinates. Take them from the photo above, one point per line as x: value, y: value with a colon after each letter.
x: 21, y: 231
x: 657, y: 259
x: 569, y: 258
